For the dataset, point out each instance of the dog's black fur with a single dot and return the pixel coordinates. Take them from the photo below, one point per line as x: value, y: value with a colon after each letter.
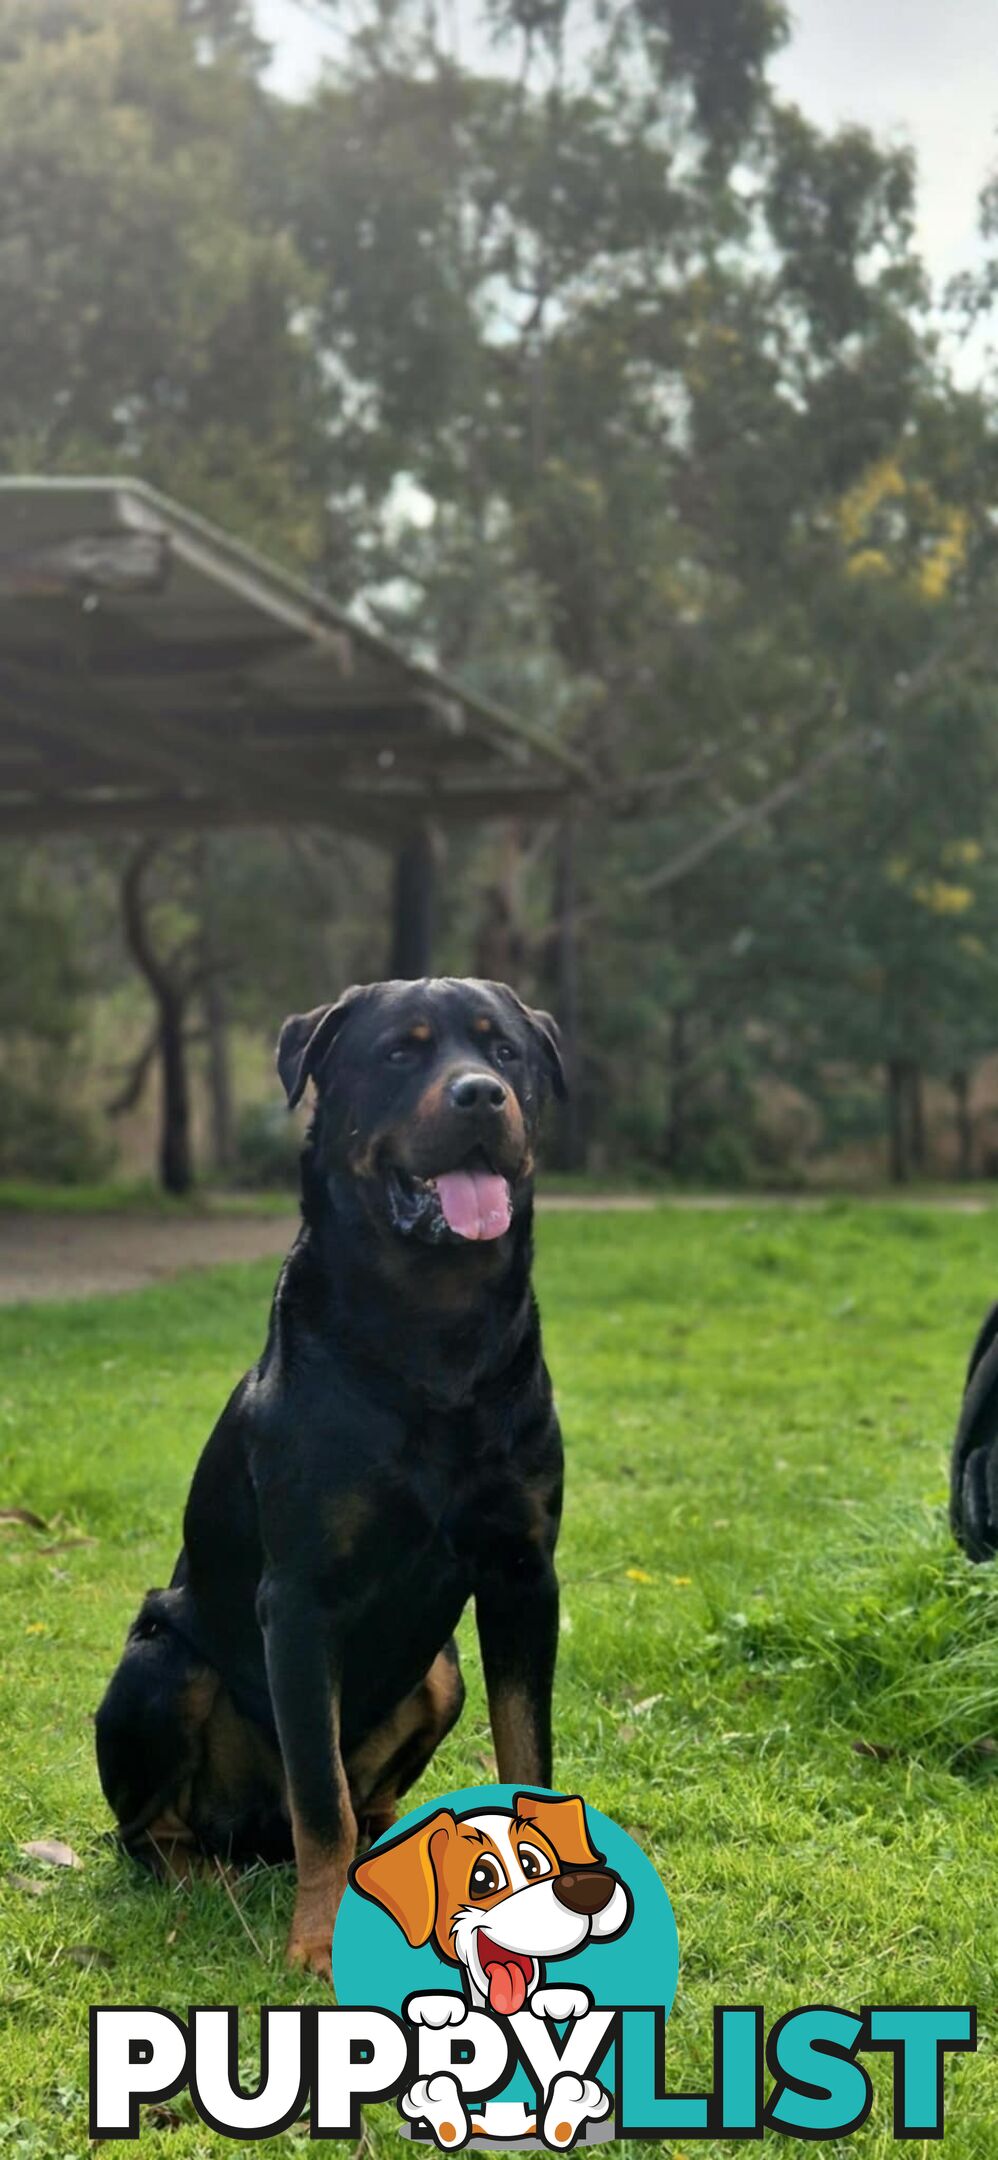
x: 394, y: 1452
x: 974, y: 1470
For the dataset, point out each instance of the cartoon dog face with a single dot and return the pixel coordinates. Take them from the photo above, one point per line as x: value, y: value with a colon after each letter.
x: 498, y: 1892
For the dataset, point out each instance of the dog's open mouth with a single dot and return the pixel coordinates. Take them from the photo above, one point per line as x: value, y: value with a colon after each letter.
x: 508, y: 1974
x: 472, y: 1202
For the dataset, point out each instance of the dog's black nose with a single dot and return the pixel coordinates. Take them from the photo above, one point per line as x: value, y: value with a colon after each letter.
x: 477, y: 1091
x: 586, y: 1892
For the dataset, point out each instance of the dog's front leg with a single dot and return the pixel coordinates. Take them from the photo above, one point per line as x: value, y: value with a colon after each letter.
x: 516, y: 1606
x: 302, y: 1671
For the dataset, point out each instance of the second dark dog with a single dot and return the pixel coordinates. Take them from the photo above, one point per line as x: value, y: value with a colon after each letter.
x: 974, y: 1469
x: 394, y: 1452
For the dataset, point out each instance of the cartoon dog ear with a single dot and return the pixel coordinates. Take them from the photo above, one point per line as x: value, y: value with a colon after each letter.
x: 564, y: 1825
x: 304, y: 1040
x: 402, y: 1876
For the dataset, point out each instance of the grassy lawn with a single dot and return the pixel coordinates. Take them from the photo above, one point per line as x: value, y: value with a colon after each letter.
x: 757, y: 1576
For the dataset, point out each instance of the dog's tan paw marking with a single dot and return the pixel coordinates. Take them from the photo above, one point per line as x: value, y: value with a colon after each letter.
x: 571, y: 2103
x: 313, y: 1955
x: 437, y: 2101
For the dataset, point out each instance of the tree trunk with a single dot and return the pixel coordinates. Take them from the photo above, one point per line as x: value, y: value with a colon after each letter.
x: 897, y: 1123
x: 499, y: 938
x: 175, y: 1161
x: 917, y: 1144
x: 960, y: 1084
x: 216, y: 1024
x: 675, y: 1127
x: 176, y: 1168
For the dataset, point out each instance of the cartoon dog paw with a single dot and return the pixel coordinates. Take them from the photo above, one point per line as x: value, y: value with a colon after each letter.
x: 436, y: 2010
x: 572, y: 2103
x: 437, y: 2102
x: 560, y: 2003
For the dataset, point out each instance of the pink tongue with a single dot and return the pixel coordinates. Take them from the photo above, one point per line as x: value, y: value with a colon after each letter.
x: 507, y: 1989
x: 475, y: 1203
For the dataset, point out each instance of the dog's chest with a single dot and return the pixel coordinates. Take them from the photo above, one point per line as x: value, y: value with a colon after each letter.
x: 426, y: 1509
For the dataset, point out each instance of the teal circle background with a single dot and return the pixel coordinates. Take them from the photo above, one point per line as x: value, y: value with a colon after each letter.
x: 373, y: 1964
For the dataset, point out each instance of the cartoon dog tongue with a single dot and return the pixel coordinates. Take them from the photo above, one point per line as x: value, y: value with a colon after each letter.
x: 507, y: 1983
x: 475, y: 1203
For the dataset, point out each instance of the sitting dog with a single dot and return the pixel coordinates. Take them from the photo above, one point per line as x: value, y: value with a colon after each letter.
x: 974, y: 1469
x: 394, y: 1451
x: 500, y: 1893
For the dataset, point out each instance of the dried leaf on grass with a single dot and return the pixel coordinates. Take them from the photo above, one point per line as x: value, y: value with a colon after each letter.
x: 23, y: 1515
x: 53, y: 1851
x: 87, y: 1954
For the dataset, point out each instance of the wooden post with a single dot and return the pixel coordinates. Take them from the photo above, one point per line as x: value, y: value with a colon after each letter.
x: 216, y: 1019
x: 413, y: 882
x: 565, y: 898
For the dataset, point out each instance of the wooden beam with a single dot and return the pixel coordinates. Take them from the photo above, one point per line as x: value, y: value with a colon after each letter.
x: 95, y: 816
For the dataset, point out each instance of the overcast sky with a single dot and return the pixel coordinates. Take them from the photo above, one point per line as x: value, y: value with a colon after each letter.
x: 920, y: 69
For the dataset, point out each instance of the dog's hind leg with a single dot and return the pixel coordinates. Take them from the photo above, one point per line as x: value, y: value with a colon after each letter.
x: 184, y: 1772
x: 397, y: 1753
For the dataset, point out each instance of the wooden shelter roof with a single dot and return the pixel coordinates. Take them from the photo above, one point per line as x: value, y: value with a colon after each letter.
x: 156, y: 674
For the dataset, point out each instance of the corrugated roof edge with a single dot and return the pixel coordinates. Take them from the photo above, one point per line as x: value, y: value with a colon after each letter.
x: 313, y: 602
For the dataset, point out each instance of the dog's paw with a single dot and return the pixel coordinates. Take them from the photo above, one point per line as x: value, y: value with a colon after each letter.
x: 560, y: 2003
x: 310, y: 1953
x: 436, y: 2010
x: 571, y: 2103
x: 437, y: 2101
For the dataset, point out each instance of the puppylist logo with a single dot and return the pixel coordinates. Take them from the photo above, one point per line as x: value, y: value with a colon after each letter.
x: 505, y: 1963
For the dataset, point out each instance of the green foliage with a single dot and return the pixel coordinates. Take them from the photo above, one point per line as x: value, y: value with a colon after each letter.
x: 152, y: 307
x: 268, y: 1145
x: 45, y: 1135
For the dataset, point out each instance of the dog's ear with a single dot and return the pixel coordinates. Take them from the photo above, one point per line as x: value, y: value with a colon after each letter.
x: 547, y: 1035
x: 402, y: 1876
x: 304, y: 1040
x: 564, y: 1825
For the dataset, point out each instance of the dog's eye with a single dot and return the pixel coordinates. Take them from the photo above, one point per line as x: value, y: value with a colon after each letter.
x: 504, y: 1053
x: 486, y: 1877
x: 533, y: 1863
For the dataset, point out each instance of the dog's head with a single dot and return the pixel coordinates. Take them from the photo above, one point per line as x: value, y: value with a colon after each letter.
x: 499, y: 1892
x: 429, y: 1095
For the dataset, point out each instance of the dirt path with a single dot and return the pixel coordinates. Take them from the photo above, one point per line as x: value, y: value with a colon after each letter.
x: 50, y: 1256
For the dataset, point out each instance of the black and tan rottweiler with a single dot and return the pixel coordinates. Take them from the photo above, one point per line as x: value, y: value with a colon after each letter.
x: 394, y: 1452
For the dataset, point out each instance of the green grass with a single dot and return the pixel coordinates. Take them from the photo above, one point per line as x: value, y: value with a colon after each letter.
x: 757, y: 1575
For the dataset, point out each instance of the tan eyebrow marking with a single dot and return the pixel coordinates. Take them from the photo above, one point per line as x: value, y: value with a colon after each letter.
x: 482, y: 1026
x: 420, y: 1032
